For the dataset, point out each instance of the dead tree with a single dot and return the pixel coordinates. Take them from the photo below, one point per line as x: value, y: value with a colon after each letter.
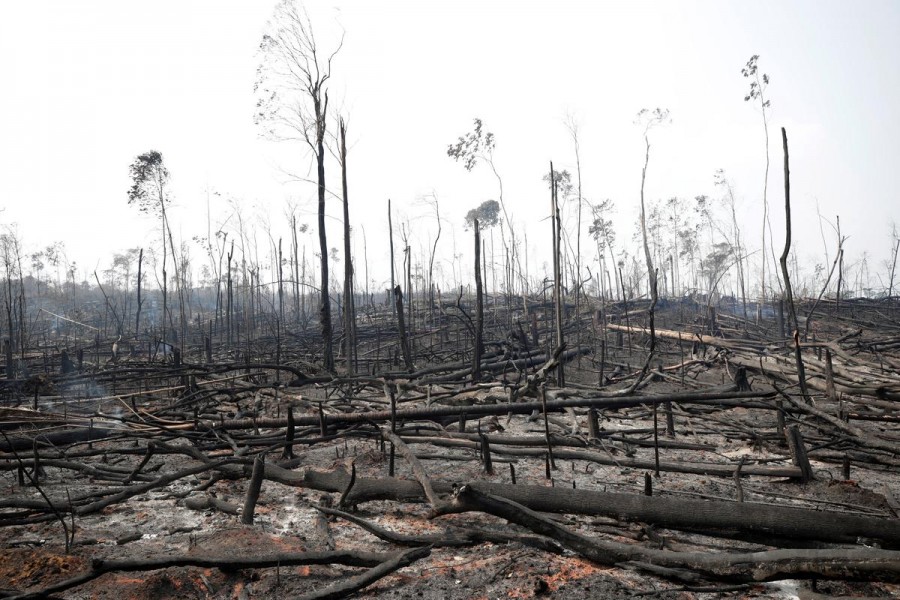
x: 801, y: 372
x: 557, y: 284
x: 349, y: 316
x: 149, y: 190
x: 401, y: 328
x: 293, y: 100
x: 140, y: 302
x: 657, y: 117
x: 479, y: 308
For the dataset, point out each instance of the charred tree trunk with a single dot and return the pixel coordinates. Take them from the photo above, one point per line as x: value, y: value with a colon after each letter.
x: 349, y: 317
x: 651, y: 270
x: 391, y: 244
x: 229, y: 309
x: 801, y: 371
x: 479, y: 308
x: 140, y: 302
x: 325, y: 299
x: 401, y: 328
x: 557, y: 284
x: 295, y: 250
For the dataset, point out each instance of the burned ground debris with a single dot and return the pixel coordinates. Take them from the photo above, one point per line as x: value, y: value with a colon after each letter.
x: 251, y: 476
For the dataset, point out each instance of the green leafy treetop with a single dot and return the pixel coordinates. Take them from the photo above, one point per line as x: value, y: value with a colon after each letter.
x: 562, y: 180
x: 488, y: 215
x: 473, y: 146
x: 149, y: 178
x: 757, y: 84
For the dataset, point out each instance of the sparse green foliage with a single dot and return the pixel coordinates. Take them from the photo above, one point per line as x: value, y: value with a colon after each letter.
x: 562, y: 180
x: 291, y: 79
x: 715, y: 263
x: 472, y: 147
x: 703, y: 206
x: 651, y: 118
x: 149, y: 178
x: 488, y: 215
x: 758, y: 83
x: 601, y: 229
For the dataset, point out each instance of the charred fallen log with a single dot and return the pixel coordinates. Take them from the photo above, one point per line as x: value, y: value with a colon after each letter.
x: 388, y: 563
x: 673, y: 513
x: 858, y: 563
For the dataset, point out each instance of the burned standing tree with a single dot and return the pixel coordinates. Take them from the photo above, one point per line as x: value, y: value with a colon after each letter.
x: 557, y: 273
x: 149, y: 190
x: 759, y: 82
x: 293, y: 101
x: 478, y: 145
x: 349, y: 307
x: 140, y: 301
x: 604, y: 234
x: 892, y: 262
x: 798, y: 353
x: 431, y: 286
x: 479, y: 307
x: 572, y: 126
x: 649, y: 120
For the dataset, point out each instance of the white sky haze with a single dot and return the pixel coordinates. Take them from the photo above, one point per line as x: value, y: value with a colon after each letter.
x: 89, y: 85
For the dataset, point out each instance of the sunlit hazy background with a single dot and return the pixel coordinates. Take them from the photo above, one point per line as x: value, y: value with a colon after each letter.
x: 89, y: 85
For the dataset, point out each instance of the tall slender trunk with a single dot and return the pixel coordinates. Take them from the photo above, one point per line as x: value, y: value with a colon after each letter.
x: 893, y: 267
x: 391, y: 243
x: 325, y: 300
x: 295, y: 266
x: 165, y: 288
x: 280, y: 283
x: 437, y: 215
x: 801, y: 371
x: 410, y: 322
x: 578, y: 236
x: 479, y: 308
x: 140, y: 303
x: 303, y: 291
x: 765, y: 218
x: 349, y: 318
x: 651, y: 270
x: 557, y: 284
x: 229, y: 309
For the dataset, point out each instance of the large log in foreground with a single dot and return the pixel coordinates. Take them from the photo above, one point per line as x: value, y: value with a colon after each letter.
x: 100, y: 567
x: 673, y: 513
x: 843, y: 563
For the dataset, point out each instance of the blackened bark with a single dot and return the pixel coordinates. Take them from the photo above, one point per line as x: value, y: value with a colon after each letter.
x: 349, y: 316
x: 401, y: 328
x: 479, y: 309
x: 325, y: 300
x: 801, y: 370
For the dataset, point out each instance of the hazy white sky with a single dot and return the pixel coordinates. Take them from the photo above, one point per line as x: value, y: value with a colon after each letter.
x: 89, y: 85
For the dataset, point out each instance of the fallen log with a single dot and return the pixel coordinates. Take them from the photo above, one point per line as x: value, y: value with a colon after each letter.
x: 454, y: 538
x: 351, y: 585
x: 867, y: 564
x: 227, y: 563
x: 211, y: 502
x: 663, y: 511
x: 59, y: 437
x: 696, y: 468
x: 723, y: 394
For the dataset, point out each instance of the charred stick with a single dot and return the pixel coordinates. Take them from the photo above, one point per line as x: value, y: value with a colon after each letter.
x: 350, y: 585
x: 253, y: 490
x: 232, y: 563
